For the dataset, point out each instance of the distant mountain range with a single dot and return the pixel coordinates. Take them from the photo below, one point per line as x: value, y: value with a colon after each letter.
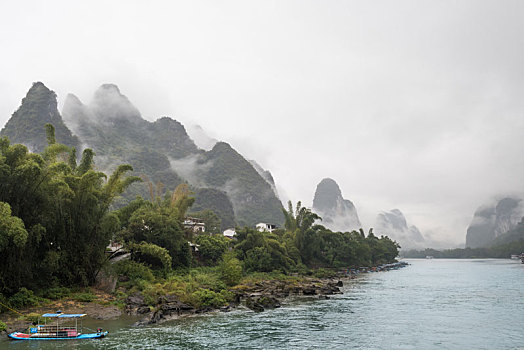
x: 340, y: 214
x: 240, y: 191
x: 394, y: 225
x: 492, y: 221
x: 161, y: 151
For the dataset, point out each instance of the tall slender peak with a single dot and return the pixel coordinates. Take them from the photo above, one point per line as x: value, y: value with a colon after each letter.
x: 337, y: 213
x: 327, y: 195
x: 27, y: 124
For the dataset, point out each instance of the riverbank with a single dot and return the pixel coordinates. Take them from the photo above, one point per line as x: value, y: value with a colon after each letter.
x: 257, y: 292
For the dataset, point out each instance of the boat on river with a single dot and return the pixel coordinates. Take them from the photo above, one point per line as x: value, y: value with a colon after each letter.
x: 62, y: 328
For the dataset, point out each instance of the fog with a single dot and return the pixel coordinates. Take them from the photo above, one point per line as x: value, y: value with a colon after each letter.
x: 415, y: 105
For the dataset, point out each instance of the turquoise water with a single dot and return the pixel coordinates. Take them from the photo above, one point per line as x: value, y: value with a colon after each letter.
x: 431, y: 304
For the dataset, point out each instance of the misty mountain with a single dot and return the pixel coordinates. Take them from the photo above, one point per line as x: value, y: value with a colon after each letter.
x: 163, y: 151
x: 113, y: 127
x: 252, y: 197
x: 26, y: 125
x: 394, y: 225
x: 338, y: 214
x: 266, y: 175
x: 217, y: 201
x: 493, y: 220
x: 514, y: 235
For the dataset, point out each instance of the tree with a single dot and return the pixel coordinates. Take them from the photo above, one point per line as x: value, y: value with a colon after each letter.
x: 211, y: 248
x: 230, y: 269
x: 160, y: 225
x: 65, y: 212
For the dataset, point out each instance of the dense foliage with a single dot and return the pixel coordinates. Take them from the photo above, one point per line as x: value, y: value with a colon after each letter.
x: 54, y: 215
x: 304, y: 244
x: 56, y: 222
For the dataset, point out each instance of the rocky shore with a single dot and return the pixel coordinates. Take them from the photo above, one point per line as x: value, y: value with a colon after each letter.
x: 258, y: 297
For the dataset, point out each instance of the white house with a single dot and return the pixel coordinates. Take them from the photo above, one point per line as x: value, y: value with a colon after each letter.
x: 230, y: 233
x: 194, y: 224
x: 263, y: 227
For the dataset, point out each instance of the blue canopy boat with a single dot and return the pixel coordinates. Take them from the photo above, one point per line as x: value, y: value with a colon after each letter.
x: 58, y: 331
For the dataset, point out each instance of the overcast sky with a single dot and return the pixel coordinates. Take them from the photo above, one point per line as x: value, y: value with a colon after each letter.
x: 415, y: 105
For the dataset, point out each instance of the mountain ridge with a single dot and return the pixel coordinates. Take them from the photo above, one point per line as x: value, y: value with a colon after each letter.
x: 114, y: 128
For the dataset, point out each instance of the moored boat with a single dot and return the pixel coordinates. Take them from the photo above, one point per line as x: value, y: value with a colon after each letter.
x: 58, y: 330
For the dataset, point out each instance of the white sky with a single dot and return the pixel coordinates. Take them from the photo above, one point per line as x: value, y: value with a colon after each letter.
x: 415, y: 105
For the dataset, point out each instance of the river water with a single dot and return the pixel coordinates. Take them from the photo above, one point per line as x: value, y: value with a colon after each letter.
x: 431, y: 304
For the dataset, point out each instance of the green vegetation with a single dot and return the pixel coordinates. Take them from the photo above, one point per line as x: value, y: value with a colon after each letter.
x: 54, y: 218
x: 85, y: 297
x: 56, y: 222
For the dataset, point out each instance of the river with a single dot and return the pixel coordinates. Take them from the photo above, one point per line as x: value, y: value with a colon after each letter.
x: 431, y: 304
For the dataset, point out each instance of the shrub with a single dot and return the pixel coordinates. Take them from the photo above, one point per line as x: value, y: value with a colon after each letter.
x: 134, y: 270
x: 324, y: 273
x: 84, y: 297
x: 209, y: 298
x: 33, y: 317
x: 57, y: 293
x: 230, y: 269
x: 25, y: 297
x: 3, y: 326
x: 211, y: 248
x: 151, y: 254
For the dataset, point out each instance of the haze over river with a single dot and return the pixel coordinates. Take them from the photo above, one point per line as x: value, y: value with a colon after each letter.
x: 431, y: 304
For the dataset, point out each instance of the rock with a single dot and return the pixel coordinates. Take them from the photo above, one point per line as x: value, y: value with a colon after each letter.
x: 143, y: 310
x: 254, y: 305
x: 309, y: 290
x: 123, y: 278
x: 340, y: 284
x: 226, y: 308
x: 106, y: 281
x: 135, y: 300
x: 269, y: 302
x: 100, y: 312
x: 204, y: 310
x: 323, y: 297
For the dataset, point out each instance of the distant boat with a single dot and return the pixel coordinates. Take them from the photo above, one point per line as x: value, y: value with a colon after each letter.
x: 57, y: 331
x: 429, y: 256
x: 515, y: 256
